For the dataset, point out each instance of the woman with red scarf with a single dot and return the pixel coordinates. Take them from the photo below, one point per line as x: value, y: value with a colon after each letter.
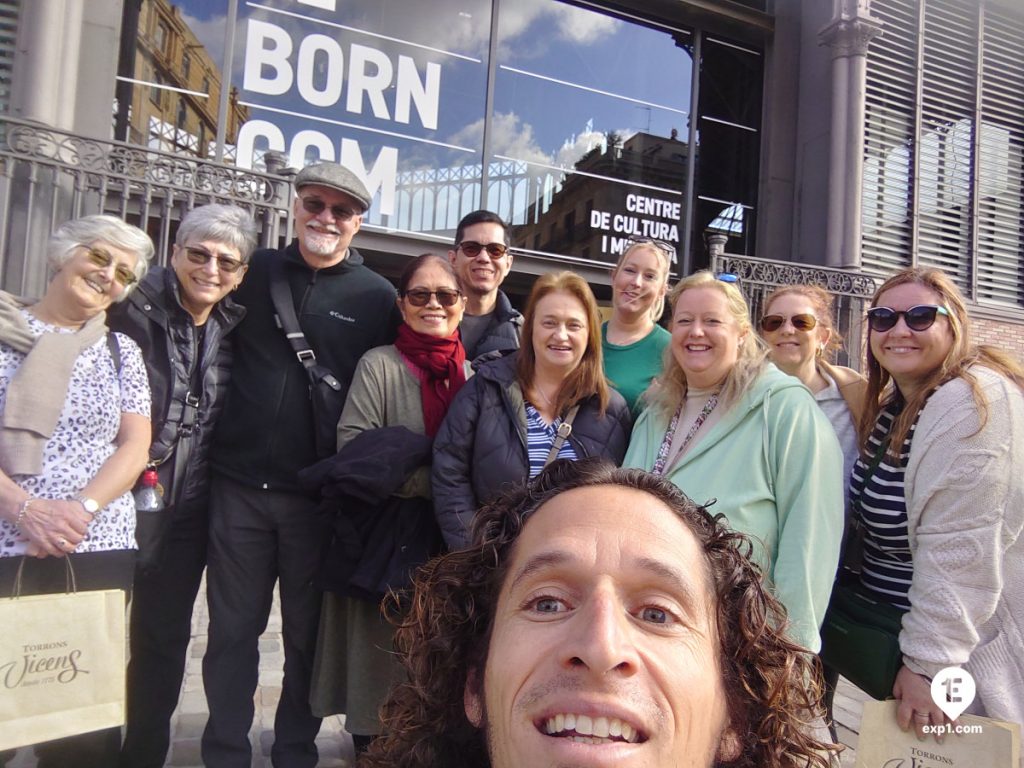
x: 406, y: 385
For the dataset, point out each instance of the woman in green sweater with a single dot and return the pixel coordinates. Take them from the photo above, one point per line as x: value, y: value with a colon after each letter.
x: 632, y: 342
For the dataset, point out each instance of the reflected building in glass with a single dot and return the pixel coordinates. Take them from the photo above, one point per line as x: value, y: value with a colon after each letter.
x: 856, y: 135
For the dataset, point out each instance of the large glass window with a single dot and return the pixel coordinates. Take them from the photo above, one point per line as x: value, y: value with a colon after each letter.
x: 572, y: 121
x: 394, y: 90
x: 171, y: 95
x: 727, y: 145
x: 588, y: 142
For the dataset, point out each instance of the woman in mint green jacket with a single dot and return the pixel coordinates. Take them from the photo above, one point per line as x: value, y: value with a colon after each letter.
x: 727, y: 425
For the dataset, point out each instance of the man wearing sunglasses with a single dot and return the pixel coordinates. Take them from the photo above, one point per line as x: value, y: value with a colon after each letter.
x: 490, y: 327
x: 263, y: 528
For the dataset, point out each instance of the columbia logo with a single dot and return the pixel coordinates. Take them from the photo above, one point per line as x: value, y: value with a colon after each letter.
x: 340, y: 316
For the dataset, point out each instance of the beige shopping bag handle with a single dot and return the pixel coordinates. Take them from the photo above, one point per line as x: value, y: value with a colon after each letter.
x: 70, y: 584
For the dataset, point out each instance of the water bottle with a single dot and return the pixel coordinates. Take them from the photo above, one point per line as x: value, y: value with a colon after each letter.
x: 149, y: 496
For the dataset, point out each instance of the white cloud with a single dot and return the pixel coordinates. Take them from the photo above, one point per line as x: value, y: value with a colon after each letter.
x: 510, y: 136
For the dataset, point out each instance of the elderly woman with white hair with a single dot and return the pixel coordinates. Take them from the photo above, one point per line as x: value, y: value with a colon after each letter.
x: 74, y: 431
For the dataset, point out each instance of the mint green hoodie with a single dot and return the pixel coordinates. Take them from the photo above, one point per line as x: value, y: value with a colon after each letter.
x: 774, y: 464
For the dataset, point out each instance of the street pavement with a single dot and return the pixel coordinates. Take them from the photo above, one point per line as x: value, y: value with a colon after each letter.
x: 334, y: 743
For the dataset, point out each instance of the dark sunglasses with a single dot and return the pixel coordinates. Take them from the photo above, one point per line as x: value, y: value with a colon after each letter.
x: 420, y: 297
x: 102, y: 259
x: 917, y: 318
x: 801, y: 322
x: 202, y: 257
x: 472, y: 249
x: 316, y: 207
x: 661, y: 245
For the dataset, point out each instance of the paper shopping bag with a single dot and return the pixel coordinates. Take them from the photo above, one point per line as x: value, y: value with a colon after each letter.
x: 980, y: 743
x: 62, y: 665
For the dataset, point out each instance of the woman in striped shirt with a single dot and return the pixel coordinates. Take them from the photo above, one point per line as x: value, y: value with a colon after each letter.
x: 939, y: 488
x: 504, y: 424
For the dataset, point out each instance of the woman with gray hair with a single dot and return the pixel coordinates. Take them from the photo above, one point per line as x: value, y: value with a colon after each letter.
x: 180, y: 317
x: 74, y: 431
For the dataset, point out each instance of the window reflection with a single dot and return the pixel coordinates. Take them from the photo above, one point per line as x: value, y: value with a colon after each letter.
x: 587, y: 141
x: 588, y: 147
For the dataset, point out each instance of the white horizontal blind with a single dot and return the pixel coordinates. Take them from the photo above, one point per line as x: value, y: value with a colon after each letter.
x: 8, y: 35
x: 891, y: 86
x: 946, y: 139
x: 1000, y: 247
x: 958, y: 159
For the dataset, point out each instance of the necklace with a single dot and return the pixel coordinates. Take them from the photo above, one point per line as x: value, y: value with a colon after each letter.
x: 539, y: 391
x: 666, y: 442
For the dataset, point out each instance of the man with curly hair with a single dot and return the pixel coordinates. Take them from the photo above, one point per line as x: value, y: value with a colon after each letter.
x: 600, y: 618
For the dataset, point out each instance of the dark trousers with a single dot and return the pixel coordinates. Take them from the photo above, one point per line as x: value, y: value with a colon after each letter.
x: 258, y: 537
x: 93, y: 570
x: 161, y: 625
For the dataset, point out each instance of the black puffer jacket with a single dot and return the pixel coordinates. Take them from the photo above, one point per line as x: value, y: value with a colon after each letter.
x: 501, y: 337
x: 153, y: 316
x: 481, y: 446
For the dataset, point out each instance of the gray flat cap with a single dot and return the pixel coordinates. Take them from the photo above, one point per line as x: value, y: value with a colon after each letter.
x: 336, y: 177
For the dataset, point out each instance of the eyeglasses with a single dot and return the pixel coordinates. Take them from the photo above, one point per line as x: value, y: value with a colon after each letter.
x: 202, y: 257
x: 102, y: 259
x: 661, y: 245
x: 801, y: 322
x: 917, y: 318
x: 472, y: 249
x: 316, y: 206
x: 420, y: 297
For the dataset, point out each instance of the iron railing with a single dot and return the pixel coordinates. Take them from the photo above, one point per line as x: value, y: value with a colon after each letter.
x: 851, y: 292
x: 48, y: 176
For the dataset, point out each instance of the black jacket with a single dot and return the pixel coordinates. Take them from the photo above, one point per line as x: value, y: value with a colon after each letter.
x: 379, y: 539
x: 501, y: 337
x: 481, y: 446
x: 152, y: 315
x: 266, y: 433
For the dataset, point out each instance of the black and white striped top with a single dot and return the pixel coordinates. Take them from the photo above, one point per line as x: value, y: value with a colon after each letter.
x: 887, y: 567
x: 539, y: 439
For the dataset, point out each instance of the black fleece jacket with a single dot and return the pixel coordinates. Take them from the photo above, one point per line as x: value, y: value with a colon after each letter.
x: 265, y: 435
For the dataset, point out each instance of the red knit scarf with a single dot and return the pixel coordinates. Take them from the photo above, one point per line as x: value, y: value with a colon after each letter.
x: 442, y: 359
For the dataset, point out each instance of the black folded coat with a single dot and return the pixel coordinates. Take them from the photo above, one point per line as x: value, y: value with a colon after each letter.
x: 378, y: 538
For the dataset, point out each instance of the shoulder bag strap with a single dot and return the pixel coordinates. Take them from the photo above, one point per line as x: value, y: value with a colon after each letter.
x: 288, y: 322
x: 115, y: 351
x: 564, y: 430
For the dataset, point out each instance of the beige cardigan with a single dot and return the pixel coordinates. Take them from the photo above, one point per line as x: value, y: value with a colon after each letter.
x: 964, y: 489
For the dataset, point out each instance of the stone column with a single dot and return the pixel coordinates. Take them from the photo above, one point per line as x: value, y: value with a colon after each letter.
x: 848, y: 35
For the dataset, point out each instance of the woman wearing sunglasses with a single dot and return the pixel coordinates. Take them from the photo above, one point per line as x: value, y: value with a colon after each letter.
x: 379, y: 483
x: 74, y: 433
x: 181, y: 317
x: 797, y: 327
x: 632, y: 342
x: 939, y: 489
x: 548, y: 400
x: 726, y: 424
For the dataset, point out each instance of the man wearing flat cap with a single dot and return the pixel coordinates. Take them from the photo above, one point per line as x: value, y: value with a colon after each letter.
x: 263, y: 528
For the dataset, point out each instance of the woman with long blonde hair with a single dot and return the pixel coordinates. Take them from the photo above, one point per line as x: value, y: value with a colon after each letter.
x: 938, y: 487
x: 631, y: 340
x: 727, y: 425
